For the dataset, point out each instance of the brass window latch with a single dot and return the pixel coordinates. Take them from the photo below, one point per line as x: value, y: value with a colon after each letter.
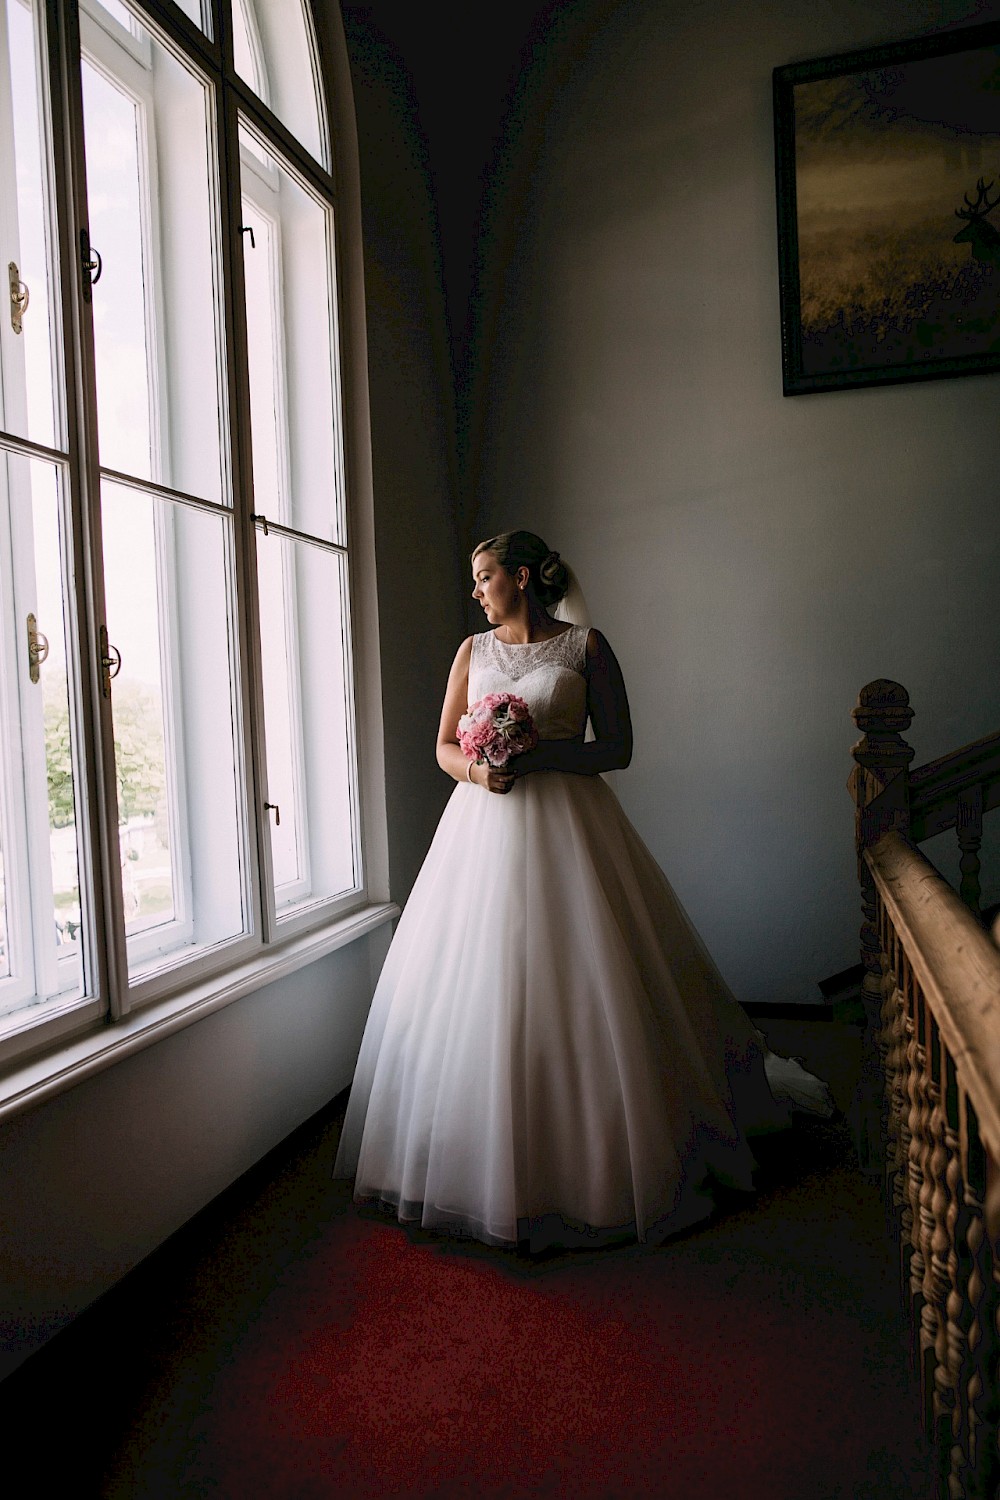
x: 110, y: 659
x: 91, y: 263
x: 38, y: 648
x: 19, y: 297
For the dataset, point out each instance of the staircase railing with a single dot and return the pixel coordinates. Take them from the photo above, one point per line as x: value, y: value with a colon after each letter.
x: 939, y: 1042
x: 930, y: 1086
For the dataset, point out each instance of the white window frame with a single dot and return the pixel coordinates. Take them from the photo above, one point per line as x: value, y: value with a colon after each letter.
x: 125, y: 62
x: 260, y: 187
x: 49, y: 1047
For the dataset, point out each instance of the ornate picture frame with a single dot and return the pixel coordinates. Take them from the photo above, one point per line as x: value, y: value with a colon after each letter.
x: 887, y: 164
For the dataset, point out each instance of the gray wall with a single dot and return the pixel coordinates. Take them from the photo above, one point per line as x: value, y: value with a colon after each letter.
x: 96, y: 1178
x: 753, y: 559
x: 420, y: 569
x: 99, y: 1176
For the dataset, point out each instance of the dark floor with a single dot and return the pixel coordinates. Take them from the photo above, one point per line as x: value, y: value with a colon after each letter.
x: 129, y: 1379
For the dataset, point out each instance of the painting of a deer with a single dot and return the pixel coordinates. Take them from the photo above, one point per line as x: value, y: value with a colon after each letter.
x: 982, y: 237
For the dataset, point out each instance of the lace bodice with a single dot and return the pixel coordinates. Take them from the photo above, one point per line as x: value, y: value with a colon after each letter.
x: 548, y: 675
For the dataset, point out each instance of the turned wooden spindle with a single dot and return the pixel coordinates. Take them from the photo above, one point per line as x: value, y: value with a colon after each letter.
x: 958, y: 1308
x: 909, y: 1082
x: 988, y: 1475
x: 892, y: 1046
x: 970, y: 1456
x: 890, y: 1122
x: 916, y: 1156
x: 932, y: 1162
x: 969, y: 828
x: 942, y: 1247
x: 879, y: 787
x: 897, y: 1061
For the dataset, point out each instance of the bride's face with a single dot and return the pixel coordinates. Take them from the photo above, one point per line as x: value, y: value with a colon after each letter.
x: 495, y: 590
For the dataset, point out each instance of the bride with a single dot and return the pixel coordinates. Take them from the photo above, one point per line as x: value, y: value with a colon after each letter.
x: 551, y: 1055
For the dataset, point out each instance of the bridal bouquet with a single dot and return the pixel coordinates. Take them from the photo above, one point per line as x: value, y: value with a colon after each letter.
x: 496, y: 728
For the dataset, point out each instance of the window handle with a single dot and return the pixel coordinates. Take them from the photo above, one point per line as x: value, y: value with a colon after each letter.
x: 277, y: 812
x: 92, y: 264
x: 19, y: 296
x: 38, y: 648
x: 111, y: 657
x: 248, y: 229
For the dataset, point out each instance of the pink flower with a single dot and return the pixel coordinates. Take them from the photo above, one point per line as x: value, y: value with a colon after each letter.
x: 496, y: 728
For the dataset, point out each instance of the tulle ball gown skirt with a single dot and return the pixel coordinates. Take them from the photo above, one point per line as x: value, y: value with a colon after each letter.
x: 551, y: 1054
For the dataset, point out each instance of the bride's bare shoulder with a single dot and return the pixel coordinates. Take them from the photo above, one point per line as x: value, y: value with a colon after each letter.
x: 463, y: 659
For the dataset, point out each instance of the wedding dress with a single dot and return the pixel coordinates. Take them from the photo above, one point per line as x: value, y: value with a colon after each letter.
x: 551, y: 1053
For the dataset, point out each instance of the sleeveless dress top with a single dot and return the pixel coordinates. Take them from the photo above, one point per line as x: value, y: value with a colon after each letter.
x: 551, y: 1055
x: 548, y: 675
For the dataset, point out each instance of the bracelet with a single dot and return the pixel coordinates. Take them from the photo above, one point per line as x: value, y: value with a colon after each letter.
x: 468, y: 771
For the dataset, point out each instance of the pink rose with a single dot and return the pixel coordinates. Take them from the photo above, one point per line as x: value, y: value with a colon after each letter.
x: 496, y: 728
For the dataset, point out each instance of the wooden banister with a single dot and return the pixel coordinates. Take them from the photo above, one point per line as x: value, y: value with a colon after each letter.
x: 957, y: 967
x: 936, y: 789
x: 928, y: 1106
x: 939, y: 1038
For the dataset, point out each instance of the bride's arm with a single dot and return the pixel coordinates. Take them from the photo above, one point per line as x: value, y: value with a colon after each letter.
x: 607, y: 706
x: 449, y: 753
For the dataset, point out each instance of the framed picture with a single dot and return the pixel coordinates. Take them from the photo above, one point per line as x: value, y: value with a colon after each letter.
x: 888, y: 178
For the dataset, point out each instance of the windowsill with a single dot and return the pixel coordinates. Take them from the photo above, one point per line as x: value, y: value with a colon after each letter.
x: 43, y: 1077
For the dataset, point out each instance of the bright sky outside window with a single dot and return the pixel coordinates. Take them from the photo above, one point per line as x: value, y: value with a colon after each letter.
x: 31, y: 398
x: 43, y: 901
x: 167, y: 567
x: 298, y: 484
x: 157, y: 327
x: 181, y: 832
x: 43, y: 916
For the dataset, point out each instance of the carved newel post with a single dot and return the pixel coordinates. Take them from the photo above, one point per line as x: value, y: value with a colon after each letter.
x: 879, y: 785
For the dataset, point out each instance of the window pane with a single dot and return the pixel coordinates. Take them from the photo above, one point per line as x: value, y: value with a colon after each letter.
x: 45, y: 920
x: 308, y: 723
x: 292, y: 346
x: 152, y: 198
x: 4, y: 939
x: 103, y: 10
x: 198, y: 10
x: 31, y: 398
x: 168, y: 579
x: 274, y: 48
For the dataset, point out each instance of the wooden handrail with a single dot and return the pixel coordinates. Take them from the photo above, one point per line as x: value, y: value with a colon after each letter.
x: 954, y: 791
x: 938, y: 1044
x: 936, y: 789
x: 958, y: 970
x: 928, y: 1103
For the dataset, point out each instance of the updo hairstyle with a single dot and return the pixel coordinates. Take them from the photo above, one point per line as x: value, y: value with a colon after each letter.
x: 548, y: 574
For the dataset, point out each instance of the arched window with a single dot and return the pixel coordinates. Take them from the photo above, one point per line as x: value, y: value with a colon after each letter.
x: 275, y: 50
x: 179, y: 765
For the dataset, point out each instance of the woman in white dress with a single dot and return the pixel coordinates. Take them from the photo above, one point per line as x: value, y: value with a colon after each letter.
x: 551, y: 1055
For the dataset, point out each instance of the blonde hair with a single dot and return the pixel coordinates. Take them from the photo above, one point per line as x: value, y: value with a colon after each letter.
x: 547, y: 573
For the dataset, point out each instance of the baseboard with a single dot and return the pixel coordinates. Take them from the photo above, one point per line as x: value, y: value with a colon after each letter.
x: 775, y: 1011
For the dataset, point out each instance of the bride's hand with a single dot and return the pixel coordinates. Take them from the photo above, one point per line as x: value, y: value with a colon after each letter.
x: 492, y: 778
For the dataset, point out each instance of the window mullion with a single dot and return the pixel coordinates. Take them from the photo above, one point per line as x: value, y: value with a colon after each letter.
x: 99, y: 858
x: 270, y: 126
x: 245, y: 545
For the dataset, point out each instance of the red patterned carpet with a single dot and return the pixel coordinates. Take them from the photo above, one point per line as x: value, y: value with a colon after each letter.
x: 284, y: 1346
